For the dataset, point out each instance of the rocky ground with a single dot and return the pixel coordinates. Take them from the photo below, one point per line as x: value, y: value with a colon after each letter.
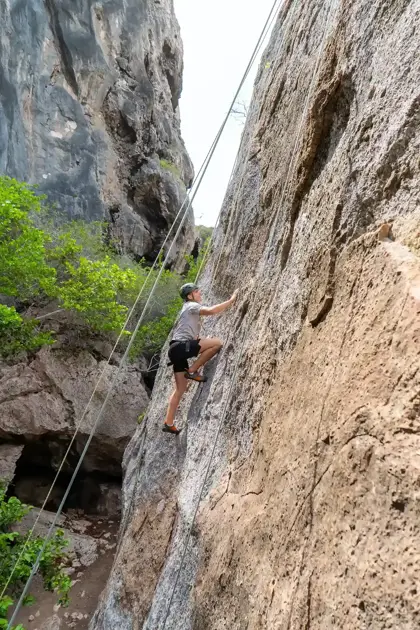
x: 93, y: 543
x: 92, y: 534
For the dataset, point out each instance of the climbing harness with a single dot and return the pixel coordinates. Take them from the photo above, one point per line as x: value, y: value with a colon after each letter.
x: 181, y: 217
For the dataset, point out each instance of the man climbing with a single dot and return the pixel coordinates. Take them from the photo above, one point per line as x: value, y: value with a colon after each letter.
x: 186, y: 343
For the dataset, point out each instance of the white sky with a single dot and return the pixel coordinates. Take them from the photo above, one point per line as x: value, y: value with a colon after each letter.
x: 219, y: 37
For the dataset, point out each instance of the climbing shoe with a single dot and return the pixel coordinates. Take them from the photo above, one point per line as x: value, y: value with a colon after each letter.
x: 170, y: 428
x: 195, y: 376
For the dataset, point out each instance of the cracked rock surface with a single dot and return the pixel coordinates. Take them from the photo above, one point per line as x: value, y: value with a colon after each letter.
x: 89, y: 93
x: 43, y: 399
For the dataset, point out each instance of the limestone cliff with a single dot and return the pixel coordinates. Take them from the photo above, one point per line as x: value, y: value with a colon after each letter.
x: 309, y: 517
x: 89, y: 93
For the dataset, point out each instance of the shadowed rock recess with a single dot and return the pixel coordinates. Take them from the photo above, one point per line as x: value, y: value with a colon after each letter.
x: 89, y: 111
x: 310, y: 514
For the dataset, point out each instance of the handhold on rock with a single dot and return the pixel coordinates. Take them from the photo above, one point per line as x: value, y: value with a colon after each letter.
x: 384, y: 232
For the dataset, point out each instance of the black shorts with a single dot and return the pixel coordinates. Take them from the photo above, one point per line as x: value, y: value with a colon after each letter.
x: 180, y: 351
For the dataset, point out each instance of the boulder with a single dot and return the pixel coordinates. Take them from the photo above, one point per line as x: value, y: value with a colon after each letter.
x: 45, y: 398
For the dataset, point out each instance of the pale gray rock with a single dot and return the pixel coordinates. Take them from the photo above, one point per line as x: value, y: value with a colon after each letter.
x: 109, y: 502
x: 89, y: 94
x: 9, y: 455
x: 52, y: 623
x: 82, y: 547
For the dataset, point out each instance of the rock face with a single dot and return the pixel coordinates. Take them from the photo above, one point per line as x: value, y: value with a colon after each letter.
x: 89, y: 96
x: 309, y: 513
x: 43, y: 400
x: 9, y: 455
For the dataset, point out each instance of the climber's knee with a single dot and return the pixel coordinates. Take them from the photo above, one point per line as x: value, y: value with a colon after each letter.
x: 218, y: 344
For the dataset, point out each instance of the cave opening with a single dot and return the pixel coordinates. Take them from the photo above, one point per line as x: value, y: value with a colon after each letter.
x: 94, y: 492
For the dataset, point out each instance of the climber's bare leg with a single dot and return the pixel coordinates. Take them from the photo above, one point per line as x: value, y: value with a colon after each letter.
x: 209, y: 347
x: 181, y: 385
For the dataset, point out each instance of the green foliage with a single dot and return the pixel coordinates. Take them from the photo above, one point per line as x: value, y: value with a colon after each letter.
x: 93, y: 289
x: 152, y: 335
x: 42, y: 259
x: 45, y: 258
x: 195, y: 266
x: 13, y: 545
x: 5, y: 603
x: 170, y: 166
x: 73, y: 238
x: 18, y: 335
x: 204, y: 232
x: 24, y: 269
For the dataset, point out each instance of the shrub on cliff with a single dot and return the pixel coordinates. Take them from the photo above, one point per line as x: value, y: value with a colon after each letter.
x: 18, y: 555
x: 18, y: 334
x: 44, y: 258
x: 24, y: 268
x: 170, y: 166
x: 36, y: 266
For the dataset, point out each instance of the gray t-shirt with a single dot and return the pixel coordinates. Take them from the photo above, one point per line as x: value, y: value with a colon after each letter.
x: 188, y: 324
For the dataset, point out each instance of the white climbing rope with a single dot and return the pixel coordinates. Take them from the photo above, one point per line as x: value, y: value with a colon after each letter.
x: 260, y: 43
x: 266, y: 30
x: 242, y: 344
x: 187, y: 204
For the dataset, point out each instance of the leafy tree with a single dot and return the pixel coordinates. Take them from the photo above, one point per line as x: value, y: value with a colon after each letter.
x: 152, y: 335
x: 92, y: 289
x: 18, y: 334
x: 24, y: 269
x: 204, y: 232
x: 46, y: 258
x: 35, y: 265
x: 18, y: 554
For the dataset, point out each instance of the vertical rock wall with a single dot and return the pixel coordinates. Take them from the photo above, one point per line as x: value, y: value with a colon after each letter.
x: 89, y: 93
x: 309, y: 515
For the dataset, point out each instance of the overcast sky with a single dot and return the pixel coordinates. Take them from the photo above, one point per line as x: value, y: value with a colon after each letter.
x: 219, y: 37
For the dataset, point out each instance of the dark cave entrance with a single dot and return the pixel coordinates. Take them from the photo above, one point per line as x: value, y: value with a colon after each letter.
x: 94, y: 492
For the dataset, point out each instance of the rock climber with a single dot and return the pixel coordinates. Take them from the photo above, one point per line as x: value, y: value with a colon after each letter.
x: 186, y: 343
